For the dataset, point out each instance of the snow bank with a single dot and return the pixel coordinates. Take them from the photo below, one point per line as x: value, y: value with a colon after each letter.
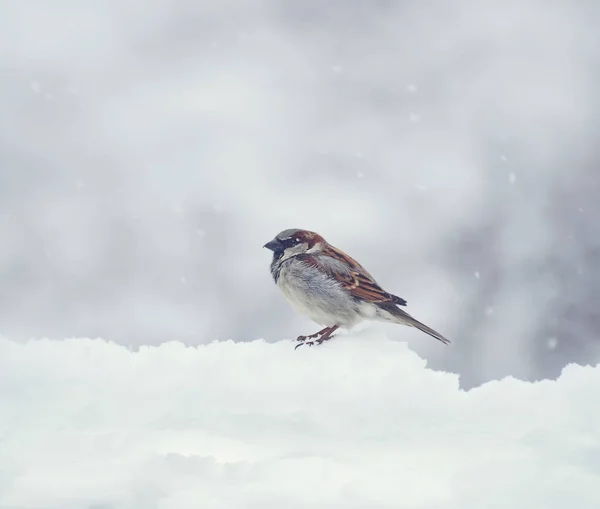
x: 356, y: 423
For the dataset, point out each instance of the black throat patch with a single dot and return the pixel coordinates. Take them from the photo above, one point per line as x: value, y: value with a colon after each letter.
x: 276, y: 265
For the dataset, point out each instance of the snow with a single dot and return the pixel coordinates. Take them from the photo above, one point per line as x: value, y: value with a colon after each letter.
x: 359, y: 422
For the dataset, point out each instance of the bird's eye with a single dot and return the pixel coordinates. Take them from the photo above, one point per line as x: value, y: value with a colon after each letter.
x: 291, y: 241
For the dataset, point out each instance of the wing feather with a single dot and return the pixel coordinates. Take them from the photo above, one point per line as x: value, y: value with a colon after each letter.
x: 351, y: 275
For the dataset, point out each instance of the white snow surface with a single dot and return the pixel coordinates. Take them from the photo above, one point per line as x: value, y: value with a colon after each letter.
x: 359, y: 422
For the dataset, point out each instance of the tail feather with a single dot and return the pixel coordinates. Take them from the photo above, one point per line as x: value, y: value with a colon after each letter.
x: 398, y: 300
x: 427, y: 330
x: 404, y: 318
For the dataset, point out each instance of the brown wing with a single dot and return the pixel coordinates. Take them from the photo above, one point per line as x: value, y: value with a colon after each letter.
x: 351, y: 275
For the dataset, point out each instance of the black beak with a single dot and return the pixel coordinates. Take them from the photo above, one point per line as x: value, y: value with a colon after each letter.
x: 273, y: 245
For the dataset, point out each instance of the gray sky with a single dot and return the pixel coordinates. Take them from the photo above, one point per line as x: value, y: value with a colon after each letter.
x: 149, y: 149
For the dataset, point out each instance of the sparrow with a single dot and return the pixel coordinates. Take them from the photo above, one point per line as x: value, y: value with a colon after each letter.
x: 331, y: 288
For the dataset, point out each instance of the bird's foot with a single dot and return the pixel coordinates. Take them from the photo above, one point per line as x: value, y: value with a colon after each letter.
x: 322, y: 335
x: 313, y: 336
x: 302, y: 340
x: 302, y: 343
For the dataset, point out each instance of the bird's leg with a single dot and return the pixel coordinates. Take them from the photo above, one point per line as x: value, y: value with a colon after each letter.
x: 328, y: 334
x: 312, y: 336
x: 323, y: 335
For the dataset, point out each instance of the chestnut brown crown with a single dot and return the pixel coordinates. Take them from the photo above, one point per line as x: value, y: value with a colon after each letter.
x: 292, y: 237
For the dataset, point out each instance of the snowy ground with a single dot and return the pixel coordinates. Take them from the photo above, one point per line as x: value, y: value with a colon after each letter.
x: 357, y: 423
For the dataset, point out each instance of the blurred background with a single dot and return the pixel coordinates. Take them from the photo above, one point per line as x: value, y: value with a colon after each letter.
x: 149, y: 149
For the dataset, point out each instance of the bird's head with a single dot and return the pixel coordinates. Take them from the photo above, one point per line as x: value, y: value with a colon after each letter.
x: 293, y: 242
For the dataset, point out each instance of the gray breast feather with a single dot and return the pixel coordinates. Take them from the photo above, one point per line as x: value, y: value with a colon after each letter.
x: 314, y: 294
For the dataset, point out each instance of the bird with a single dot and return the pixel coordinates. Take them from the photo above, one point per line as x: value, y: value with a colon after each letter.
x: 323, y: 283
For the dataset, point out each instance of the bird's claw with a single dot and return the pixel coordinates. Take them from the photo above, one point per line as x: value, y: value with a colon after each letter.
x: 309, y: 343
x: 322, y: 335
x: 302, y: 340
x: 312, y: 336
